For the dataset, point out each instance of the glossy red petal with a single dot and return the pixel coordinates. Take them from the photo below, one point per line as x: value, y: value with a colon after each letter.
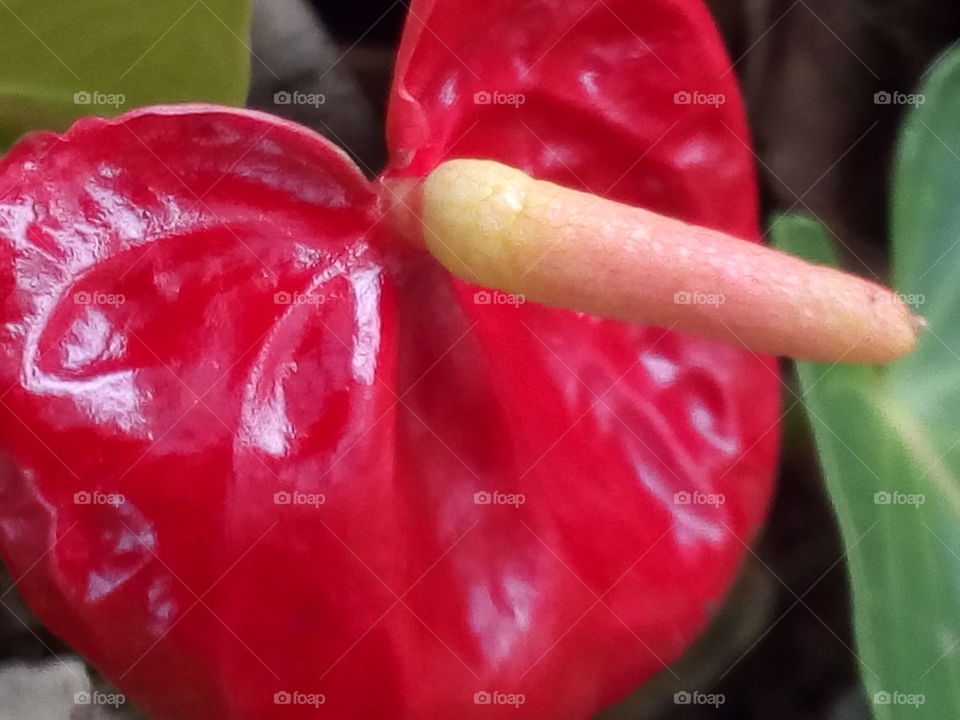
x: 636, y: 101
x: 193, y: 322
x: 255, y: 458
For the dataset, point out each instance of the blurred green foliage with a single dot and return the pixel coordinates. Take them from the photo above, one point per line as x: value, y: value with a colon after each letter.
x: 889, y: 437
x: 64, y: 60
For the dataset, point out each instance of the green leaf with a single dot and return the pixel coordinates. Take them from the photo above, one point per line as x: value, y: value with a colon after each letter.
x: 925, y: 222
x: 888, y: 442
x: 117, y: 55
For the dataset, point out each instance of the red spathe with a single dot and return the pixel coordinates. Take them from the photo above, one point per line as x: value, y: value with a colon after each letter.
x: 260, y: 460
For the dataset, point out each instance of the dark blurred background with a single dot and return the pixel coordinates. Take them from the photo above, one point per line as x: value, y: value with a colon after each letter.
x: 782, y: 646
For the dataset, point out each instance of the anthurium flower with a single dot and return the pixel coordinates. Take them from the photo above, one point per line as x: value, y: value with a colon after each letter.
x: 264, y: 457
